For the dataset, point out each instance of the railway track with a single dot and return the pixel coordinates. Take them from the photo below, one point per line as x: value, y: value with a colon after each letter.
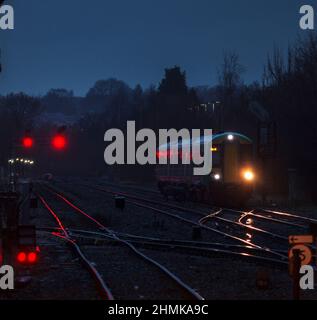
x: 178, y: 214
x: 187, y: 247
x: 256, y: 215
x: 62, y: 233
x: 186, y: 291
x: 264, y: 225
x: 162, y: 248
x: 297, y: 223
x: 193, y: 247
x: 285, y: 218
x: 290, y: 216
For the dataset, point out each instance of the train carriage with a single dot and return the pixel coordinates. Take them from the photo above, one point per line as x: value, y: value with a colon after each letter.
x: 230, y: 182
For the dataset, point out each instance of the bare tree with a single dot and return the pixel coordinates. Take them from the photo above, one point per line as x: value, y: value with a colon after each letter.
x: 275, y: 70
x: 230, y: 80
x: 20, y: 109
x: 230, y: 74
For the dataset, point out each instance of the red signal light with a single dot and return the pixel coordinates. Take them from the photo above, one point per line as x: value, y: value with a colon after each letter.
x: 27, y: 142
x: 59, y: 142
x: 32, y: 257
x: 27, y: 258
x: 21, y: 257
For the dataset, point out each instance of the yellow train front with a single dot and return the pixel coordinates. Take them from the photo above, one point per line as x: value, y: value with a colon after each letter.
x: 230, y: 183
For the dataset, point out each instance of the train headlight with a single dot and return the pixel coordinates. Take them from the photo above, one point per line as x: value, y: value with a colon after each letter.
x: 248, y: 175
x: 217, y: 176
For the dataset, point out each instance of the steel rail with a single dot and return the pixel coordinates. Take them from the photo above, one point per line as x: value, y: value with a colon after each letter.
x: 237, y: 211
x: 104, y: 290
x: 163, y: 269
x: 240, y: 224
x: 227, y: 235
x: 193, y: 248
x: 290, y: 215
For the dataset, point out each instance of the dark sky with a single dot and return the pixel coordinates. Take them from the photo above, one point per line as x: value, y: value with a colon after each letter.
x: 73, y: 43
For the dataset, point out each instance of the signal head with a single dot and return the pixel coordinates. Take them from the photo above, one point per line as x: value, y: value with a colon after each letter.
x: 27, y: 142
x: 59, y: 142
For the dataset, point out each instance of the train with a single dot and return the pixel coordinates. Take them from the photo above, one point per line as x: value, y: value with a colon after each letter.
x: 232, y: 178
